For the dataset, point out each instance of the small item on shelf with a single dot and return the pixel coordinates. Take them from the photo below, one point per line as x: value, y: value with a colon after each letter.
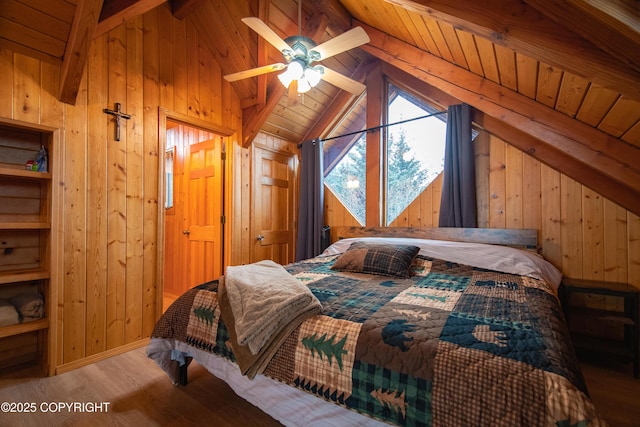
x: 29, y: 165
x: 8, y: 314
x: 30, y: 305
x: 42, y: 160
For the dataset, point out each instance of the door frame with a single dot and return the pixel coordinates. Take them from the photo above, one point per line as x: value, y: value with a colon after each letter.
x: 225, y: 133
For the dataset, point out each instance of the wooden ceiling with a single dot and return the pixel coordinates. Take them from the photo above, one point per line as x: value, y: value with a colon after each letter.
x: 560, y: 80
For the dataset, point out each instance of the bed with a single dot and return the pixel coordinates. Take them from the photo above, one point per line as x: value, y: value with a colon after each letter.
x: 425, y: 327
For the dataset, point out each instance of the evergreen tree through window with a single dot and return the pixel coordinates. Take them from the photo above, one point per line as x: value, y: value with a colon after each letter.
x: 415, y: 150
x: 414, y: 157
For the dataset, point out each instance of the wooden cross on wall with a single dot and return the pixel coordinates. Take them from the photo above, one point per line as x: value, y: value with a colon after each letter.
x: 118, y: 115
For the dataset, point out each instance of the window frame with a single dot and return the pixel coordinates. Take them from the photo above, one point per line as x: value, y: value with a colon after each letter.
x: 375, y: 128
x: 387, y: 83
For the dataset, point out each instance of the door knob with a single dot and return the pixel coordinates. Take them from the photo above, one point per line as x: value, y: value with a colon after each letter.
x: 260, y: 237
x: 186, y: 232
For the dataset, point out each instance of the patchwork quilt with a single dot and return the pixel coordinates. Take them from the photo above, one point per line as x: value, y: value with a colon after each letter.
x: 452, y: 345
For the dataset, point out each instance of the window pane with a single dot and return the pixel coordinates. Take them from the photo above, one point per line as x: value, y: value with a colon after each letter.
x: 168, y: 170
x: 415, y: 150
x: 347, y: 179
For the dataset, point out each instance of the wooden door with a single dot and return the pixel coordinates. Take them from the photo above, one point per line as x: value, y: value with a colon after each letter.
x: 193, y: 224
x: 203, y: 217
x: 273, y: 205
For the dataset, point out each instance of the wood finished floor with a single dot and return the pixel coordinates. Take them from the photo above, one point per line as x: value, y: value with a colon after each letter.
x: 614, y: 391
x: 140, y: 394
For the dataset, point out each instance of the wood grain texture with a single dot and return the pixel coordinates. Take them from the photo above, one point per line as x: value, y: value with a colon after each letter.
x: 151, y: 171
x: 273, y: 204
x: 73, y: 295
x: 134, y: 189
x: 77, y: 47
x: 107, y: 239
x: 498, y: 236
x: 97, y: 196
x: 117, y: 12
x: 522, y: 28
x: 611, y: 25
x: 116, y: 188
x: 26, y: 86
x: 565, y: 134
x: 376, y: 103
x: 137, y: 391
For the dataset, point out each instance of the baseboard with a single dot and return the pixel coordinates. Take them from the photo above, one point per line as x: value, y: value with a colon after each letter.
x: 100, y: 356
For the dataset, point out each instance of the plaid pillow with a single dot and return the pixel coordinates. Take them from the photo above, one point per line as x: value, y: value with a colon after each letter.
x: 377, y: 258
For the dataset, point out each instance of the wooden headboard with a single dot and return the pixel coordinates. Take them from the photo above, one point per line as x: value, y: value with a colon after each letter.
x: 524, y: 238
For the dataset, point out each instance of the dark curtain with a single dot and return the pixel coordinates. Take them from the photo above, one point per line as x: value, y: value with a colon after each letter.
x: 311, y: 201
x: 458, y: 203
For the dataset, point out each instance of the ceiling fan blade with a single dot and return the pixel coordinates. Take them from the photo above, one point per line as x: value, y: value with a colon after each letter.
x: 353, y: 38
x: 254, y: 72
x: 343, y: 82
x: 292, y: 96
x: 257, y: 25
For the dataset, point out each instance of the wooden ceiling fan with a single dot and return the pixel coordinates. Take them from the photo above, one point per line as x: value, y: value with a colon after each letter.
x: 300, y: 53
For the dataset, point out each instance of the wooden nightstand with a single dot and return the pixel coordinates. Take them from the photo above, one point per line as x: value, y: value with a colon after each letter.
x: 625, y: 317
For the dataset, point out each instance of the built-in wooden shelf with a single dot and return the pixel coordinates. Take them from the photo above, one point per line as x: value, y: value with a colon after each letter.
x: 26, y: 237
x: 17, y: 225
x: 23, y: 173
x: 23, y: 328
x: 23, y: 275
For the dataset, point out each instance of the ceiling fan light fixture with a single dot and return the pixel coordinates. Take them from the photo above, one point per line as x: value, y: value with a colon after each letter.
x: 303, y: 85
x: 314, y: 75
x: 294, y: 71
x: 285, y: 78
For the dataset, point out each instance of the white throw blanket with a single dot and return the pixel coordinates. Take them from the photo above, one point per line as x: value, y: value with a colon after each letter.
x: 264, y: 297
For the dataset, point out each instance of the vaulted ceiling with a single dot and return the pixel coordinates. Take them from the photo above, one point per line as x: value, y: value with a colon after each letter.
x: 558, y: 79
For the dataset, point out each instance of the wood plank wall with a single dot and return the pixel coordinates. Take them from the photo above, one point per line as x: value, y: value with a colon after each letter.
x: 108, y: 291
x: 581, y: 232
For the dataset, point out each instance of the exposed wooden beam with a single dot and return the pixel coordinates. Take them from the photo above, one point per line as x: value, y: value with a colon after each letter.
x: 113, y: 7
x: 376, y: 105
x: 561, y: 161
x: 77, y: 49
x: 595, y: 151
x: 339, y: 17
x: 337, y: 107
x: 115, y: 12
x: 433, y: 95
x: 181, y: 8
x: 537, y: 149
x: 522, y: 28
x: 612, y: 25
x: 253, y: 119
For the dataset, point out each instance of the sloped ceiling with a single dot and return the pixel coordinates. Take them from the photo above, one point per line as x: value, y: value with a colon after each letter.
x: 560, y: 80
